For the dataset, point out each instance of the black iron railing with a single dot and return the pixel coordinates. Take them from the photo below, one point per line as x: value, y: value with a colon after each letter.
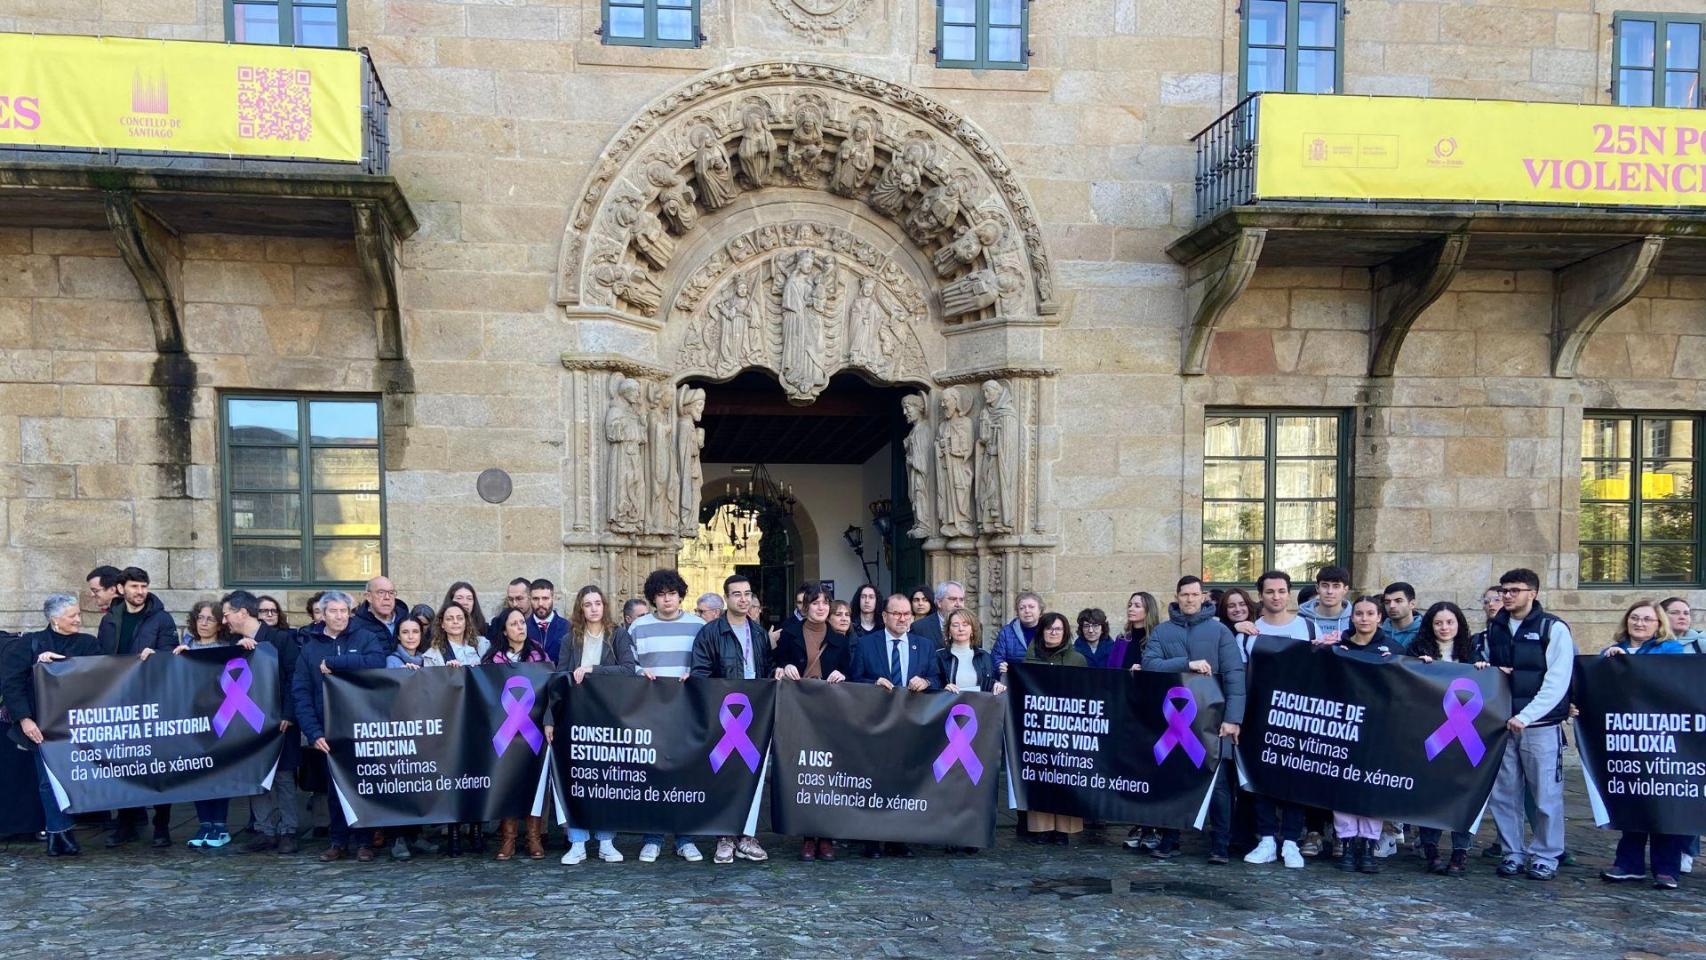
x: 1226, y: 159
x: 375, y: 141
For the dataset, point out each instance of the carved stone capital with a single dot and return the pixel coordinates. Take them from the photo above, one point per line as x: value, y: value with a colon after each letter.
x: 615, y: 363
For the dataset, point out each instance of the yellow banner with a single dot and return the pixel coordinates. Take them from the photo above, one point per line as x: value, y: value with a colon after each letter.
x: 1405, y: 148
x: 120, y: 94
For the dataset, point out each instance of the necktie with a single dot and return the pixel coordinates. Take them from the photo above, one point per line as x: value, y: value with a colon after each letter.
x: 894, y: 661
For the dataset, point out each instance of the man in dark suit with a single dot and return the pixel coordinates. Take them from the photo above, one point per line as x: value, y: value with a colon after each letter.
x: 950, y: 596
x: 894, y: 658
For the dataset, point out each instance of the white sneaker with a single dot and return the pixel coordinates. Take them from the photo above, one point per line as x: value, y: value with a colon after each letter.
x: 649, y: 853
x: 1385, y: 847
x: 689, y: 852
x: 1687, y: 863
x: 576, y: 854
x: 608, y: 853
x: 1264, y: 852
x: 1293, y: 856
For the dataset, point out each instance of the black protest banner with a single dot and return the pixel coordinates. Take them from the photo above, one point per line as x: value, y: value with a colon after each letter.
x: 437, y: 745
x: 1396, y: 739
x: 857, y: 762
x: 1642, y: 737
x: 1114, y: 745
x: 662, y: 756
x: 122, y: 732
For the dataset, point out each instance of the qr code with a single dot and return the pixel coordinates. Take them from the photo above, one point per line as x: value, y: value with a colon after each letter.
x: 274, y: 103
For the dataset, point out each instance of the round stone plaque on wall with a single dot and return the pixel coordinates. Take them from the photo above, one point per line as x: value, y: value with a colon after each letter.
x: 494, y: 485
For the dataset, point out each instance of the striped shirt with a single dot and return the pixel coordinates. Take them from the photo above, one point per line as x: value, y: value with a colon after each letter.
x: 665, y: 647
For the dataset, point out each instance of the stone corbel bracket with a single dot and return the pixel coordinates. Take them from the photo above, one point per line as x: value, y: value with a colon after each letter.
x: 1217, y: 283
x: 376, y: 248
x: 1404, y: 288
x: 615, y: 363
x: 146, y: 248
x: 1586, y: 293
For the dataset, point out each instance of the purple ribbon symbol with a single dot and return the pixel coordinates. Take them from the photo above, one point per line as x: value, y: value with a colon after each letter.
x: 235, y: 680
x: 734, y: 738
x: 517, y: 721
x: 959, y: 748
x: 1179, y: 733
x: 1459, y: 722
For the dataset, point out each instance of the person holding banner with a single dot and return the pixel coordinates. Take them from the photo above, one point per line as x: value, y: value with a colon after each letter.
x: 591, y: 646
x: 458, y: 644
x: 331, y: 645
x: 1444, y: 636
x: 810, y: 649
x: 275, y: 811
x: 1053, y: 646
x: 963, y: 664
x: 894, y: 659
x: 1279, y: 824
x: 663, y: 644
x: 61, y: 639
x: 205, y: 627
x: 734, y: 647
x: 1358, y: 835
x: 1645, y: 631
x: 1192, y: 640
x: 515, y: 646
x: 136, y: 625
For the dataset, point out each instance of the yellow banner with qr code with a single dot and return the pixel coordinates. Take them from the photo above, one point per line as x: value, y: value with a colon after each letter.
x: 176, y: 96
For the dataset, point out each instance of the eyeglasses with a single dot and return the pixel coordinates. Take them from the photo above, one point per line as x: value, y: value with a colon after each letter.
x: 383, y: 593
x: 1513, y: 591
x: 1643, y: 619
x: 269, y: 611
x: 205, y: 617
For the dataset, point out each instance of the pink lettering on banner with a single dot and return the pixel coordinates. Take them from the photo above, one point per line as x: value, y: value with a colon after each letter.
x: 19, y: 113
x: 1625, y: 176
x: 275, y: 103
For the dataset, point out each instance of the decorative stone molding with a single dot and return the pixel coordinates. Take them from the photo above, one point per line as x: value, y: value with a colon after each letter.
x: 817, y: 17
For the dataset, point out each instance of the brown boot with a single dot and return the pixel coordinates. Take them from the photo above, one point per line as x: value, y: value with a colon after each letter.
x: 535, y: 843
x: 506, y: 838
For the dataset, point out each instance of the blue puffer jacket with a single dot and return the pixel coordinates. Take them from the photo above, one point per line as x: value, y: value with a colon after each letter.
x: 1011, y: 643
x: 354, y: 649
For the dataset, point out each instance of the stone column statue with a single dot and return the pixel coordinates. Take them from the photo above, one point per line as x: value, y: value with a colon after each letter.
x: 625, y: 441
x: 757, y: 148
x: 855, y: 160
x: 711, y: 168
x: 919, y: 453
x: 954, y: 444
x: 997, y: 459
x: 689, y: 441
x: 900, y: 180
x: 865, y: 319
x: 664, y: 487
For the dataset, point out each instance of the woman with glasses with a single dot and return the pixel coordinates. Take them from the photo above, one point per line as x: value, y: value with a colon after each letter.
x: 272, y: 613
x: 1645, y: 630
x: 204, y: 627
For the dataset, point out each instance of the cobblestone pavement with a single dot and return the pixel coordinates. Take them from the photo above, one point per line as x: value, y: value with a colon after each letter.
x: 1092, y: 899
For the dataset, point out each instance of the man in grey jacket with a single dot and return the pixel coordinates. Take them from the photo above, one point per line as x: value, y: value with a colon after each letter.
x: 1192, y: 640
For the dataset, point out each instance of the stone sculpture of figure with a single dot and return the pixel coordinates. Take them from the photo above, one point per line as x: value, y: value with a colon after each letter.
x: 632, y: 284
x: 757, y: 147
x: 865, y: 319
x: 970, y: 293
x: 969, y: 243
x: 919, y: 453
x: 807, y: 292
x: 689, y: 441
x: 625, y: 439
x: 675, y: 198
x: 900, y: 180
x: 739, y: 318
x: 935, y: 213
x: 855, y: 160
x: 954, y: 444
x: 664, y: 488
x: 997, y: 458
x: 711, y: 168
x: 805, y: 148
x: 651, y: 241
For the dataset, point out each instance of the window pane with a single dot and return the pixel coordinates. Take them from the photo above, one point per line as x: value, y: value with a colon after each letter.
x: 346, y: 560
x: 1306, y: 436
x: 1232, y: 521
x: 1635, y: 88
x: 338, y: 421
x: 1668, y: 480
x: 262, y: 421
x: 1306, y: 478
x: 1682, y: 89
x: 1006, y: 13
x: 1315, y: 71
x: 1682, y: 46
x: 1606, y: 437
x: 1305, y: 520
x: 1317, y: 24
x: 1605, y: 563
x: 1004, y: 46
x: 627, y: 22
x: 1232, y: 563
x: 1665, y: 521
x: 1635, y: 43
x: 1235, y: 437
x: 1604, y: 521
x: 676, y: 3
x: 1301, y: 560
x: 1264, y: 70
x: 316, y: 26
x: 254, y: 22
x: 959, y: 43
x: 279, y: 513
x: 340, y: 468
x: 1267, y: 23
x: 255, y: 560
x: 1667, y: 438
x: 1671, y: 563
x: 346, y: 515
x: 1232, y: 480
x: 265, y: 468
x: 1605, y: 480
x: 675, y: 25
x: 959, y: 11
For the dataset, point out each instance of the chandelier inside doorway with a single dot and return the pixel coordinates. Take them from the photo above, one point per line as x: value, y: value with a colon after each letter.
x: 747, y: 502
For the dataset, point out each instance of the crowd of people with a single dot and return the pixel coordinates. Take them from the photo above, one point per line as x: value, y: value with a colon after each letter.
x: 923, y: 640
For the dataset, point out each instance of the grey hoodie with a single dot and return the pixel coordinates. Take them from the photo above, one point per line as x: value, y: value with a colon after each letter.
x: 1325, y: 624
x: 1174, y: 644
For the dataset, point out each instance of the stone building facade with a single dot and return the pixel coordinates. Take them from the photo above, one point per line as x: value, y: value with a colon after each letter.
x: 580, y: 235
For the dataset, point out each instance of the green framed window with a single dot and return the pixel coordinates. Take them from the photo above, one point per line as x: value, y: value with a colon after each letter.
x: 1656, y: 60
x: 1640, y: 507
x: 651, y: 23
x: 303, y: 489
x: 1292, y: 46
x: 983, y: 34
x: 289, y: 23
x: 1276, y: 493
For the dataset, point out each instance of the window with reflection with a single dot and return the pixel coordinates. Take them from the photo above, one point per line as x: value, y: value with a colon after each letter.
x: 983, y: 34
x: 304, y: 491
x: 1656, y: 60
x: 1292, y: 46
x: 1274, y: 493
x: 300, y: 23
x: 1639, y: 522
x: 651, y: 23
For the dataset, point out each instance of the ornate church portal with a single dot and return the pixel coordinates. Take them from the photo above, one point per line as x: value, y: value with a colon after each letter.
x: 839, y: 240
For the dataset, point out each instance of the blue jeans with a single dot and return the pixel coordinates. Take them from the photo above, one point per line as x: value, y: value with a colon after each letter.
x: 54, y: 819
x: 657, y: 838
x: 1666, y: 853
x: 577, y: 835
x: 212, y: 811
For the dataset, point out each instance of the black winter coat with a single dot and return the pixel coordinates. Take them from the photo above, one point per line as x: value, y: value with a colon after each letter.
x: 791, y: 650
x: 157, y: 631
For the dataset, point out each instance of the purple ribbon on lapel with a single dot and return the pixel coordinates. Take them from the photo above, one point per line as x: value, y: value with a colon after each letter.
x: 1459, y: 722
x: 235, y: 679
x: 959, y: 748
x: 517, y: 719
x: 734, y: 738
x: 1179, y: 733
